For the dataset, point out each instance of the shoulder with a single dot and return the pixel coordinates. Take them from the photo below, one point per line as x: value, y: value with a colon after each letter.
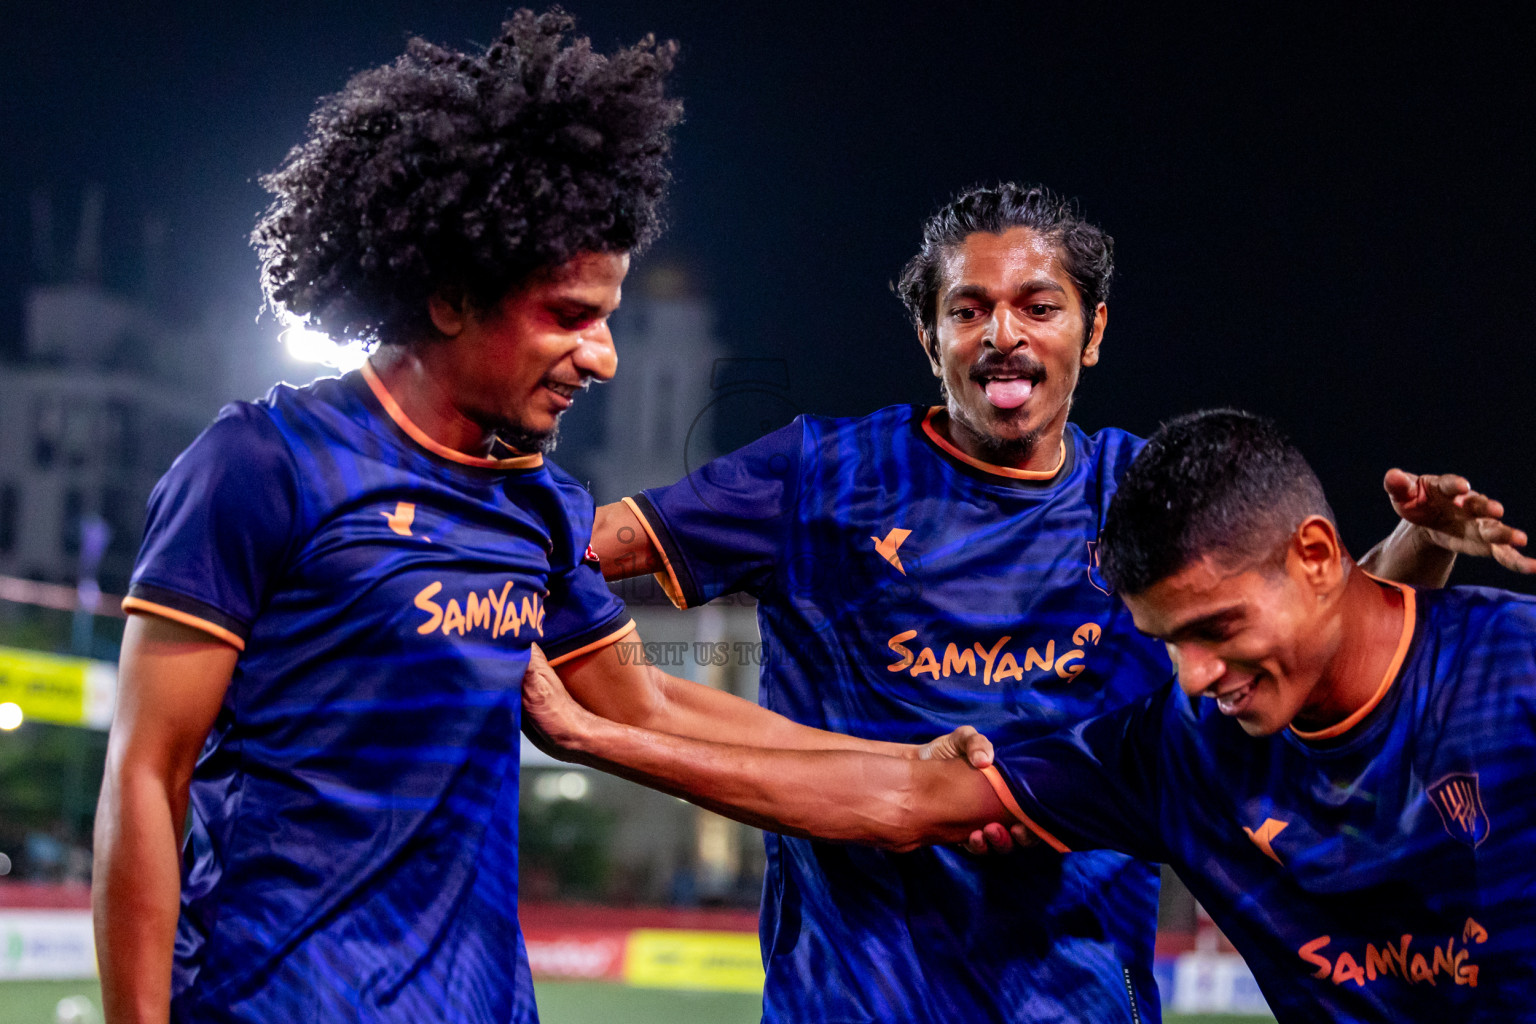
x: 1482, y: 619
x: 1481, y: 649
x: 1110, y: 446
x: 892, y: 425
x: 573, y: 494
x: 242, y: 436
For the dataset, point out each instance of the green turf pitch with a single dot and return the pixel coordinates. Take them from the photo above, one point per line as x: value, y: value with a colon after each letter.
x: 567, y: 1002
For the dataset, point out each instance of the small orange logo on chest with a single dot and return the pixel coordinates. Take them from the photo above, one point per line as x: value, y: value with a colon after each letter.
x: 401, y: 518
x: 887, y: 548
x: 1265, y: 835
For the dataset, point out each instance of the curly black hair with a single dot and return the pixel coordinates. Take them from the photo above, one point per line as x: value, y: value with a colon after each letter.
x: 1088, y: 254
x: 1221, y: 483
x: 465, y: 174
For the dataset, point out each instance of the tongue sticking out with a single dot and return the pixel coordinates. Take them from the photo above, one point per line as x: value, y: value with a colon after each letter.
x: 1008, y: 394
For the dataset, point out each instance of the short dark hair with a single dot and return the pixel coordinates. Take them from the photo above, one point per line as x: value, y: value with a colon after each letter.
x: 466, y: 174
x: 1088, y: 254
x: 1222, y: 483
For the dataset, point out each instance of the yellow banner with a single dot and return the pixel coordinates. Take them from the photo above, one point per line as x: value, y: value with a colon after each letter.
x: 707, y: 961
x: 53, y: 688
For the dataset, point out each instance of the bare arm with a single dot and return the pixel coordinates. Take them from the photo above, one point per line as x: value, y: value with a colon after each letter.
x: 623, y: 546
x: 841, y: 795
x: 1441, y: 517
x: 172, y: 680
x: 631, y: 692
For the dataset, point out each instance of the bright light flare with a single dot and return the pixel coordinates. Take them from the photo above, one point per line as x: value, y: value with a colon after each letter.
x: 310, y: 346
x: 10, y: 716
x: 562, y: 786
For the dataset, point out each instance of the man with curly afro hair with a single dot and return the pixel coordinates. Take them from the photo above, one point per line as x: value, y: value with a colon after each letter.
x: 340, y: 585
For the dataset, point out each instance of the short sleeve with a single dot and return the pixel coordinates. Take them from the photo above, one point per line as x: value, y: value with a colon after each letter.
x: 1094, y: 786
x: 721, y: 528
x: 581, y: 612
x: 219, y: 528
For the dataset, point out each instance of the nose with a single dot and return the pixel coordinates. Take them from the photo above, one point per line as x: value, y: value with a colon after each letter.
x: 1007, y: 329
x: 1198, y: 668
x: 595, y: 355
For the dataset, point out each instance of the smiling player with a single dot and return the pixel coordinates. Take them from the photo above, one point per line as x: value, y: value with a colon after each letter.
x: 339, y: 585
x: 1350, y: 804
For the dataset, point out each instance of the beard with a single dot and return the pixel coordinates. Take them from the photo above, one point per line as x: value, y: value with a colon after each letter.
x: 527, y: 442
x: 998, y: 450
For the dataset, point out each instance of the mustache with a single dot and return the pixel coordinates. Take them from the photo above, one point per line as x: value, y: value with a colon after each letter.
x: 1016, y: 364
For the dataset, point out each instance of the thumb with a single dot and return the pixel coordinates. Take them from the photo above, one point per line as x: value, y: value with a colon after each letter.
x: 1400, y: 486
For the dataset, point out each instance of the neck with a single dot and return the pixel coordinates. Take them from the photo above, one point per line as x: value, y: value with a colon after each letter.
x: 1370, y: 624
x: 1037, y: 452
x: 424, y: 392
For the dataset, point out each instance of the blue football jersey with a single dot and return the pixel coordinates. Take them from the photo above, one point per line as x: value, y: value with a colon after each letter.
x: 1380, y: 871
x: 906, y: 589
x: 352, y: 852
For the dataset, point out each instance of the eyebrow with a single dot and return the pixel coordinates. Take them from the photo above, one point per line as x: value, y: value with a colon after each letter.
x: 1219, y: 617
x: 976, y: 291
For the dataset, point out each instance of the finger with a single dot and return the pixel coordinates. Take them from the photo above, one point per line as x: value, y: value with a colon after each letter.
x: 1400, y: 486
x: 997, y: 837
x: 1022, y: 836
x: 976, y: 843
x: 1513, y: 560
x: 978, y: 749
x: 1446, y: 483
x: 1479, y: 505
x: 1495, y: 532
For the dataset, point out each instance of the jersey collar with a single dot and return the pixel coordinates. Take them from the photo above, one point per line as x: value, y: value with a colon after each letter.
x: 1404, y: 641
x: 1007, y: 472
x: 415, y: 433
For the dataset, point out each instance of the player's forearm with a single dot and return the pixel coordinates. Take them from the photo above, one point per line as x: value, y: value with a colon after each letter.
x: 843, y: 796
x: 623, y: 546
x: 701, y: 712
x: 1408, y: 556
x: 135, y: 894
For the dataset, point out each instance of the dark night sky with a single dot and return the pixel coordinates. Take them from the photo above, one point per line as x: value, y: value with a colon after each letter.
x: 1327, y: 218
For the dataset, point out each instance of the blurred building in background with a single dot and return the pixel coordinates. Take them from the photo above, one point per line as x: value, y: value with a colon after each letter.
x: 106, y: 393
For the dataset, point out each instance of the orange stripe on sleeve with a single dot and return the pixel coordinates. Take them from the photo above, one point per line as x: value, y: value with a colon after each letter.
x: 143, y: 607
x: 669, y: 584
x: 611, y: 638
x: 995, y: 779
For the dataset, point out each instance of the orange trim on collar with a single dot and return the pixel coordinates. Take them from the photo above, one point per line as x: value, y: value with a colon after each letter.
x: 418, y: 435
x: 988, y: 467
x: 1403, y: 641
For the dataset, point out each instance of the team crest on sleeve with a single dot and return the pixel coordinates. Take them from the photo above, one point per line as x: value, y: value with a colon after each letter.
x: 1460, y: 804
x: 590, y: 557
x: 1094, y: 576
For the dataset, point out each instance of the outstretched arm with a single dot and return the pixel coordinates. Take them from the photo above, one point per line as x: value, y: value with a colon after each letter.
x: 1442, y: 517
x: 842, y: 795
x: 630, y: 691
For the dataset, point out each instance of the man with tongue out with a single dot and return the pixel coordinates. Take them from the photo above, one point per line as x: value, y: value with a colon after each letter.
x: 924, y: 568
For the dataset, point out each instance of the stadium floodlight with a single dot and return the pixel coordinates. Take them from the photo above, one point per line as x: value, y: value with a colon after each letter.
x: 10, y: 716
x: 310, y: 346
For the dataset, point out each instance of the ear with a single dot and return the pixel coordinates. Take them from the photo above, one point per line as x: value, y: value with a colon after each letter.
x: 931, y: 350
x: 448, y: 311
x: 1096, y: 335
x: 1316, y: 556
